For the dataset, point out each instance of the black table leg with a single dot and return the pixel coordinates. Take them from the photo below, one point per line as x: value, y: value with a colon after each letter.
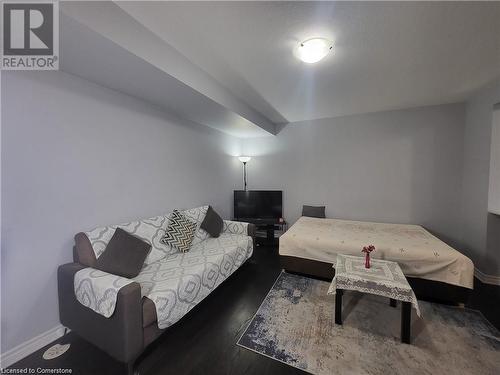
x: 405, y: 322
x: 392, y: 302
x: 338, y: 306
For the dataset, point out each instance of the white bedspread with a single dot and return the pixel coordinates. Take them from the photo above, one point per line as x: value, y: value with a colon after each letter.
x: 418, y: 252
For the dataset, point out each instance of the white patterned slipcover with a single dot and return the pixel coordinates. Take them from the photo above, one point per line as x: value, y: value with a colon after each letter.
x: 150, y: 230
x: 179, y: 282
x: 235, y: 227
x: 176, y: 281
x: 98, y: 289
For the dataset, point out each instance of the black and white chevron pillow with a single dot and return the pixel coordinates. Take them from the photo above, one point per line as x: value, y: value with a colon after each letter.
x: 180, y: 232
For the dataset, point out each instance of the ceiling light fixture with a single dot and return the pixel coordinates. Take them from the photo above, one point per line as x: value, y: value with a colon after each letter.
x: 314, y: 50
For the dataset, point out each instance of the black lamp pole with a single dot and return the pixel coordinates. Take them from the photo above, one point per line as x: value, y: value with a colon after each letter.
x: 245, y: 174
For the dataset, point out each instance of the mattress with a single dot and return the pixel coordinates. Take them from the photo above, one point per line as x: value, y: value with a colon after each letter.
x: 419, y: 253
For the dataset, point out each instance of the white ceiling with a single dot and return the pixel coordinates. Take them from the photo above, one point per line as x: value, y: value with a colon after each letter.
x: 387, y: 55
x: 104, y: 44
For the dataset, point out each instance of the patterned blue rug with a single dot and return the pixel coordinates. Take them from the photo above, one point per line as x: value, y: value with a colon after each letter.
x: 295, y: 325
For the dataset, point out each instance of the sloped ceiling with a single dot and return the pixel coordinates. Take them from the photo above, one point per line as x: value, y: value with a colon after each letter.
x: 102, y: 43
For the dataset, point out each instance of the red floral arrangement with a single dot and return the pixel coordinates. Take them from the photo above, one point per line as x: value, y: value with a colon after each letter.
x: 367, y: 250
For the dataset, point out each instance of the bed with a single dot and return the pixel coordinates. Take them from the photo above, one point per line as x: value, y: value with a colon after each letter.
x: 434, y: 269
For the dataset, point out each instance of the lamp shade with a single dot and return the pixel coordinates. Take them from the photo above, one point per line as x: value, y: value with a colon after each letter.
x: 244, y: 159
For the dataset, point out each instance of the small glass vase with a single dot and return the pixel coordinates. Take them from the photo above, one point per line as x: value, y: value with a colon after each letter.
x: 367, y: 260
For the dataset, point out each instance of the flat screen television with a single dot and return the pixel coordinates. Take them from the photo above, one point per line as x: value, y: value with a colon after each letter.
x: 254, y: 205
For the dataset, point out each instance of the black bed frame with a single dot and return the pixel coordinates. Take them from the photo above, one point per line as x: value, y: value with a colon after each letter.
x: 434, y: 291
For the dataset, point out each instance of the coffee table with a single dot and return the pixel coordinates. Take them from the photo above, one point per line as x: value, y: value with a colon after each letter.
x: 384, y: 278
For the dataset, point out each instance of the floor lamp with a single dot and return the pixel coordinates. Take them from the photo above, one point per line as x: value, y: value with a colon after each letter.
x: 244, y: 160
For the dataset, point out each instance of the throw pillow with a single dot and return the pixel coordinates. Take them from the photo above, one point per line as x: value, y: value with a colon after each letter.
x: 180, y: 232
x: 314, y: 211
x: 124, y: 255
x: 197, y: 215
x: 212, y: 223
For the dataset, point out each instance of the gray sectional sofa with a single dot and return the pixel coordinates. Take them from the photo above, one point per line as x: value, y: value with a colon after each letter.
x: 123, y: 316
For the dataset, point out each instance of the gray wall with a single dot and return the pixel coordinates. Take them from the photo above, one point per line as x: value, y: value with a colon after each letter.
x: 75, y: 156
x: 398, y: 166
x: 480, y: 230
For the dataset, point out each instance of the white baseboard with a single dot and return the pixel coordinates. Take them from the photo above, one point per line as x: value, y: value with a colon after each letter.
x: 32, y: 345
x: 486, y: 279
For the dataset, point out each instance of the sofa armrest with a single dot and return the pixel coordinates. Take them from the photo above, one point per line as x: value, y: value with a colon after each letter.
x: 120, y: 335
x: 238, y: 227
x: 98, y: 290
x: 251, y: 230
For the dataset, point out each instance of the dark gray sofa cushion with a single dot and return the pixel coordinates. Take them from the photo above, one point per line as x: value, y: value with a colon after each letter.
x: 212, y: 223
x: 313, y: 211
x: 124, y: 255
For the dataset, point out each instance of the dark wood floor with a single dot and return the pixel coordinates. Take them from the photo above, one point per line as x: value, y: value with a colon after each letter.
x: 486, y: 298
x: 204, y: 341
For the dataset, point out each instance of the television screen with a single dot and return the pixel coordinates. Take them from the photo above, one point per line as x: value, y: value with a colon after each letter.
x: 258, y: 204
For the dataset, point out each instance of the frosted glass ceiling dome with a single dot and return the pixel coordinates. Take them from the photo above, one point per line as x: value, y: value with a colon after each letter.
x: 313, y: 50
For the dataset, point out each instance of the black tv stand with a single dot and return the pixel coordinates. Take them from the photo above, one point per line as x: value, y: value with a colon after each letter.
x: 259, y: 221
x: 270, y: 225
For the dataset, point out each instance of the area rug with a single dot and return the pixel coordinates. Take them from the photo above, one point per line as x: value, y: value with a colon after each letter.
x: 295, y: 325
